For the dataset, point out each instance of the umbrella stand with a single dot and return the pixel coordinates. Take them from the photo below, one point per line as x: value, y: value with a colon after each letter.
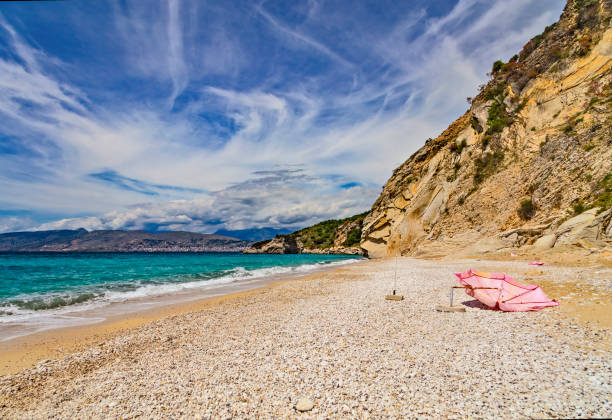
x: 394, y: 296
x: 452, y: 308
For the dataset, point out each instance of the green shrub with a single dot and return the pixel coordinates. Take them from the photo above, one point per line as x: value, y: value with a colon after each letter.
x: 529, y: 47
x: 605, y: 199
x: 589, y: 147
x: 579, y: 207
x: 585, y: 45
x: 458, y: 148
x: 497, y: 117
x: 497, y: 66
x: 582, y: 4
x: 476, y: 125
x: 557, y: 52
x: 526, y: 210
x: 495, y: 91
x: 487, y: 165
x: 485, y: 141
x: 520, y: 107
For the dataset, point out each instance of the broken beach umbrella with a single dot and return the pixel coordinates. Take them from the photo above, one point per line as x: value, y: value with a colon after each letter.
x: 499, y: 291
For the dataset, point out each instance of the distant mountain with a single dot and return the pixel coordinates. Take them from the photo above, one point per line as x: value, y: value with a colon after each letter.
x: 253, y: 235
x: 117, y: 241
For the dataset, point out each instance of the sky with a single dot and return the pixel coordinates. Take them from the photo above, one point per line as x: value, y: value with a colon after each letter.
x: 200, y: 115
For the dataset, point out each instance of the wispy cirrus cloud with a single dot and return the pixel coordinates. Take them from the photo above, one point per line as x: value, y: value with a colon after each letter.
x: 232, y: 116
x: 292, y: 35
x: 137, y: 185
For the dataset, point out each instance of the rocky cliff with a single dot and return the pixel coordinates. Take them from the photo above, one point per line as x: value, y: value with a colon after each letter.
x: 328, y: 237
x: 530, y: 162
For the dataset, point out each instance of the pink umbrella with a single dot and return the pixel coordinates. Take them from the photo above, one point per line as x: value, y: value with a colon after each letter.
x: 537, y: 263
x: 499, y: 291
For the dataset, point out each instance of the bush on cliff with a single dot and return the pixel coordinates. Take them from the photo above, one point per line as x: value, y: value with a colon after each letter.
x: 487, y: 165
x: 526, y: 210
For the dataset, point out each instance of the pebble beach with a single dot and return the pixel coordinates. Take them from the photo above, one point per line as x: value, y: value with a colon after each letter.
x: 332, y: 345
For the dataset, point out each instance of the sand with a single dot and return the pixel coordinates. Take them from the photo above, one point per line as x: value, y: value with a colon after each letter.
x: 332, y: 338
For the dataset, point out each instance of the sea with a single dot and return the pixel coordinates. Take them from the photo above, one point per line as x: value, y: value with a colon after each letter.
x: 39, y: 291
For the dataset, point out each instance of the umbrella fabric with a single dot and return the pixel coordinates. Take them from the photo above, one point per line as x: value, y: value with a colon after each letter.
x: 506, y: 294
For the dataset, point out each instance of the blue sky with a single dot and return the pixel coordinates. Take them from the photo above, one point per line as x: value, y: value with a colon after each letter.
x: 195, y: 115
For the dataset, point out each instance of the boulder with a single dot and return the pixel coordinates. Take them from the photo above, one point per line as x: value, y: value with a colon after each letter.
x: 545, y: 242
x: 578, y: 227
x: 582, y: 219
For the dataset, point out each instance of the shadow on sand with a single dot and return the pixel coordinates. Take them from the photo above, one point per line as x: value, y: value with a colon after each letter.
x: 476, y: 304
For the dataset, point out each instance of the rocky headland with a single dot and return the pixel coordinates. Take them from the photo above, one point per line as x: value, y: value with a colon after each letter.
x: 329, y: 237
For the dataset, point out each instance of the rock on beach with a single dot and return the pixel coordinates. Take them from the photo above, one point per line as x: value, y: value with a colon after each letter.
x: 304, y: 404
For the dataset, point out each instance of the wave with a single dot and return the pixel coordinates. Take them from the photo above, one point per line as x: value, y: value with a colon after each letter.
x: 28, y: 307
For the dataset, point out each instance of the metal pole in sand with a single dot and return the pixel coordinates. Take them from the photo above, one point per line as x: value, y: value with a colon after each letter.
x: 394, y: 296
x: 395, y: 276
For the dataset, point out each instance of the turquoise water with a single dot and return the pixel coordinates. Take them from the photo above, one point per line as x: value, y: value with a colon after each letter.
x: 32, y: 284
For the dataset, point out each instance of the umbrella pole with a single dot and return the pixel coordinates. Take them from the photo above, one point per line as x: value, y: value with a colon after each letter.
x: 395, y: 276
x: 452, y: 308
x: 394, y: 296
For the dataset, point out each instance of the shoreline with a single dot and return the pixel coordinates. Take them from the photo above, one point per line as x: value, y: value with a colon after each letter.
x: 26, y: 351
x: 333, y: 338
x: 143, y: 297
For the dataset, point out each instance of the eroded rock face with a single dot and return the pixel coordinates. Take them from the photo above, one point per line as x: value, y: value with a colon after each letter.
x: 536, y: 142
x: 282, y: 244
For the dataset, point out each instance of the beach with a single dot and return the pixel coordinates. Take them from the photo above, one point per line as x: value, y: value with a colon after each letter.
x: 332, y: 338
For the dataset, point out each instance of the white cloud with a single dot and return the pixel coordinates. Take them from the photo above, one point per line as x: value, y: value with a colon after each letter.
x: 278, y: 198
x: 349, y: 122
